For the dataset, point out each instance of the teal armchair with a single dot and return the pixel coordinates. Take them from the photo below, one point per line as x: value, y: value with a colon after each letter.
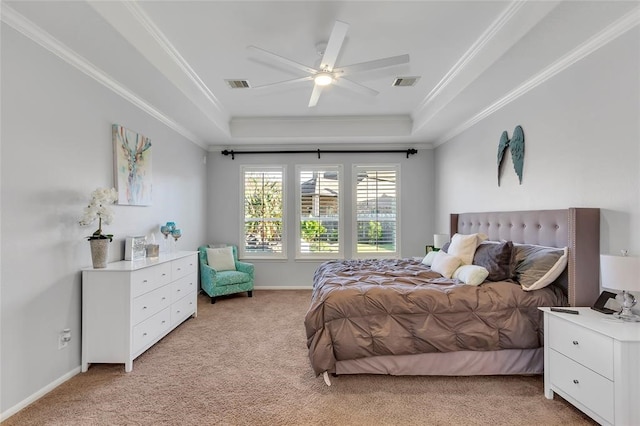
x: 220, y: 283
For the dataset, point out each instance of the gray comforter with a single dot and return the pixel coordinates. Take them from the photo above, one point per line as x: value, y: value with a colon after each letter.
x: 365, y: 308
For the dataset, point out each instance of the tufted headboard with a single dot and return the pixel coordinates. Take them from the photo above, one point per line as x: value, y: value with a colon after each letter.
x: 575, y: 228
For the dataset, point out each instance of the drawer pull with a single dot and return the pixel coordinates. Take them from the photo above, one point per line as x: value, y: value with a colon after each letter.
x: 144, y: 307
x: 179, y: 290
x: 164, y: 298
x: 163, y: 321
x: 163, y: 274
x: 144, y: 334
x: 576, y: 381
x: 575, y: 342
x: 145, y: 281
x: 178, y: 312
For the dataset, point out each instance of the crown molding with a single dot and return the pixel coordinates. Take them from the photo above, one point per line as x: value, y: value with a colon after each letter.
x: 144, y: 19
x: 474, y: 50
x: 610, y: 33
x: 504, y: 32
x: 30, y: 30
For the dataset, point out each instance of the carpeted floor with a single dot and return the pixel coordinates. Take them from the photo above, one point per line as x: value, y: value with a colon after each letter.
x: 243, y: 361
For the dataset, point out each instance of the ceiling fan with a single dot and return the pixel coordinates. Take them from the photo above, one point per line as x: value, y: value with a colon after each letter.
x: 327, y: 74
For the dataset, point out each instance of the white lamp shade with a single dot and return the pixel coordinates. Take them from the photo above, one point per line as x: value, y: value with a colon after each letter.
x: 620, y: 272
x: 439, y: 240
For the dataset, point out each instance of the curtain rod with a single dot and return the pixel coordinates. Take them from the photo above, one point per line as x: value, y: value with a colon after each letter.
x: 410, y: 151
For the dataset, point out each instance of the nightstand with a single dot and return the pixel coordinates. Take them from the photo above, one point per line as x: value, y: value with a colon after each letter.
x: 593, y: 361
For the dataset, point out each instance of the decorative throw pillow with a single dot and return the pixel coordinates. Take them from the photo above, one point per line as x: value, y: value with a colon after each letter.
x: 428, y: 259
x: 221, y: 259
x: 445, y: 264
x: 539, y: 266
x: 497, y: 258
x: 464, y: 246
x: 471, y: 274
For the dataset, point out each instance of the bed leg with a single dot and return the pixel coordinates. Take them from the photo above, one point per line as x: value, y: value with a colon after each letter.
x: 325, y: 376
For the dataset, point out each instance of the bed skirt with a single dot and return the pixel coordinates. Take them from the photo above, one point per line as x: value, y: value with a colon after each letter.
x: 460, y: 363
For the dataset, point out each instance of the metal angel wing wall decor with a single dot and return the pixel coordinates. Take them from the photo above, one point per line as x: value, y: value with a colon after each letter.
x: 517, y: 151
x: 502, y: 148
x: 516, y: 146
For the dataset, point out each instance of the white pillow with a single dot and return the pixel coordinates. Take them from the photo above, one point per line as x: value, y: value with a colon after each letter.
x: 221, y: 259
x: 471, y: 274
x: 464, y: 246
x: 428, y: 259
x: 445, y: 264
x: 552, y: 273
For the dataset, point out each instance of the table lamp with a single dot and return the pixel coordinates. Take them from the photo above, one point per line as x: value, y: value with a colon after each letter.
x: 622, y: 273
x: 439, y: 240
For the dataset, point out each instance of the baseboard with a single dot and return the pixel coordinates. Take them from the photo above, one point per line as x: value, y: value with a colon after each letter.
x: 283, y: 287
x: 39, y: 394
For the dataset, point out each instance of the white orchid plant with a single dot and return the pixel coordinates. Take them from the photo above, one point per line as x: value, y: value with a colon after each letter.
x: 100, y: 208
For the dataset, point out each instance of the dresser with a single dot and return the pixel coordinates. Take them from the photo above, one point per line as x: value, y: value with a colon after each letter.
x: 593, y: 361
x: 130, y: 305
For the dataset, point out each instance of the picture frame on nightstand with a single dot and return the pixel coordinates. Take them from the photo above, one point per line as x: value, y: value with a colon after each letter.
x: 428, y: 249
x: 599, y: 306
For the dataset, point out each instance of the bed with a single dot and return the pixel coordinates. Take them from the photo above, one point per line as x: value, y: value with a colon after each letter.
x: 399, y: 317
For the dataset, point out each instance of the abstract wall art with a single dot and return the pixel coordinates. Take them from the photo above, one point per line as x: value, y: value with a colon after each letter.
x: 132, y: 161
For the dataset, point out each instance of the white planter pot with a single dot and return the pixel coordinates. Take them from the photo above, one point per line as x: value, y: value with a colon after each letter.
x: 99, y: 252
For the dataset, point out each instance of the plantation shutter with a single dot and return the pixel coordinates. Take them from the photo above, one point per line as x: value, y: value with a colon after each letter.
x: 376, y: 210
x: 263, y: 209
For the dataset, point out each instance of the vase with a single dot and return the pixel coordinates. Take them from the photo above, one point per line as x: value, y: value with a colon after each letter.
x: 99, y: 252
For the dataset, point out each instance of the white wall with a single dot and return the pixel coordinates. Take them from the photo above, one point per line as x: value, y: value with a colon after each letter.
x: 56, y: 148
x: 583, y: 149
x: 225, y: 219
x: 582, y: 133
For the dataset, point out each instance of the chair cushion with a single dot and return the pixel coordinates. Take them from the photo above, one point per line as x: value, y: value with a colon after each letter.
x: 231, y: 277
x: 221, y: 259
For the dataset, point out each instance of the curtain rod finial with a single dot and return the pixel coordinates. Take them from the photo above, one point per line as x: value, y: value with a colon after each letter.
x: 227, y: 152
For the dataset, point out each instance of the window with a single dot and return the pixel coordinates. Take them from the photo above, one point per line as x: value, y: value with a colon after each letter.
x: 376, y: 225
x: 263, y: 211
x: 319, y: 229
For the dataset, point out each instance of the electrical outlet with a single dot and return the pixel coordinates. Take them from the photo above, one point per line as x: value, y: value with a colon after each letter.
x: 64, y: 338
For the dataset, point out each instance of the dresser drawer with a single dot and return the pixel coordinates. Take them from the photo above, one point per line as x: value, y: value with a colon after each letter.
x: 590, y: 389
x: 184, y: 307
x: 183, y: 286
x: 147, y: 331
x: 183, y: 267
x: 150, y: 303
x: 589, y: 348
x: 148, y: 279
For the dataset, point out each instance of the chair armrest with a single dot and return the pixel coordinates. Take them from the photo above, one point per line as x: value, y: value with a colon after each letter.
x: 245, y: 267
x: 207, y: 273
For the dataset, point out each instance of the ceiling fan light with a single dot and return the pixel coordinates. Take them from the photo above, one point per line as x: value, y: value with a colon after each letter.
x: 323, y: 79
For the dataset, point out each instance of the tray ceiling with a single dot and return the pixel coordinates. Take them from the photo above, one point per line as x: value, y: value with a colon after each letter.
x: 174, y: 59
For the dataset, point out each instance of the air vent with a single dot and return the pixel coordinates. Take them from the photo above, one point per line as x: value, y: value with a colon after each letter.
x: 238, y: 84
x: 405, y: 81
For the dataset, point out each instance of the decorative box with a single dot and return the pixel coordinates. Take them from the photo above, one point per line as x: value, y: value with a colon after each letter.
x: 135, y: 248
x: 153, y: 250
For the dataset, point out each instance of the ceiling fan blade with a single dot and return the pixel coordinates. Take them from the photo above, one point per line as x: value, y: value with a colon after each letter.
x: 315, y: 95
x: 284, y: 60
x: 354, y: 87
x: 375, y: 64
x: 284, y: 83
x: 334, y: 45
